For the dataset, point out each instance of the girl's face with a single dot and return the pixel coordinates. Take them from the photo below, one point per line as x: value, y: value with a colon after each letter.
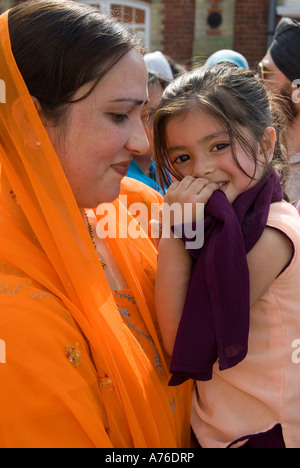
x: 103, y: 131
x: 199, y: 146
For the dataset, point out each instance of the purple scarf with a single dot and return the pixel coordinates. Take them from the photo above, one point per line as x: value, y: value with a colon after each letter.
x: 215, y: 319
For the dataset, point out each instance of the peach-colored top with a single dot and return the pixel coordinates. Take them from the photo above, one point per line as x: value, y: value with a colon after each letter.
x: 264, y: 389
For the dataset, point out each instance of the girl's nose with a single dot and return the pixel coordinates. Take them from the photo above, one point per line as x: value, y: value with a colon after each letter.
x: 202, y: 167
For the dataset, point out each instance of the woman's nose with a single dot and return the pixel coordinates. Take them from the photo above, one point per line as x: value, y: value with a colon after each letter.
x: 137, y: 142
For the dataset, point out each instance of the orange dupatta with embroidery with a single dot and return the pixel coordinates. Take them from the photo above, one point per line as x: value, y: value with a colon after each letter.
x: 72, y: 375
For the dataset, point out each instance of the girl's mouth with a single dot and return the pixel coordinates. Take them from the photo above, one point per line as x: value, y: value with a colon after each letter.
x: 223, y: 186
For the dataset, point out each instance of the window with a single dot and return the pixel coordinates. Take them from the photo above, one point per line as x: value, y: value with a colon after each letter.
x: 134, y: 14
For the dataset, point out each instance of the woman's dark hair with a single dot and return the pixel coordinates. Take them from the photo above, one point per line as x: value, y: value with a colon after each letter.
x: 233, y: 96
x: 60, y: 46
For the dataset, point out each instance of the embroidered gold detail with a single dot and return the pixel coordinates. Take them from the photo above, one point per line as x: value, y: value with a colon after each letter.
x: 8, y: 289
x: 73, y: 354
x: 106, y: 383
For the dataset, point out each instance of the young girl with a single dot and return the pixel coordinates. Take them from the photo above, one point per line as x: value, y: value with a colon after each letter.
x: 229, y: 311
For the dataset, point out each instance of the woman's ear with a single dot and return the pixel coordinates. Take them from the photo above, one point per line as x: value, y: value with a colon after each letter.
x: 37, y: 104
x: 268, y: 143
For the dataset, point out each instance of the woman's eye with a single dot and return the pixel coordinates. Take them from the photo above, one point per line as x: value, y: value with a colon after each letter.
x: 119, y: 118
x: 182, y: 159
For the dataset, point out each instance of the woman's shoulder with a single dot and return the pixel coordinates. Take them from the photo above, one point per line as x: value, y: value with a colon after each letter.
x: 137, y: 191
x: 134, y: 193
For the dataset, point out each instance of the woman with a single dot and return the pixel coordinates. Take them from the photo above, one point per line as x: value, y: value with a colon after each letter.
x: 78, y: 370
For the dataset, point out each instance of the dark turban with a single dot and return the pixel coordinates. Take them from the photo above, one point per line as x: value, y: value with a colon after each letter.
x: 285, y: 48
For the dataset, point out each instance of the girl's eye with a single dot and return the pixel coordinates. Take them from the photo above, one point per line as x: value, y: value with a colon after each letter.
x: 220, y: 146
x: 182, y: 159
x: 119, y: 118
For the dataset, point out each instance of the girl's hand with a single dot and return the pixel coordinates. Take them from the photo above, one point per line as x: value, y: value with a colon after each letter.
x: 188, y: 197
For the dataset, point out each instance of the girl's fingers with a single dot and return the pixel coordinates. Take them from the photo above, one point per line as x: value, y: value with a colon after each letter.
x: 187, y: 187
x: 206, y: 192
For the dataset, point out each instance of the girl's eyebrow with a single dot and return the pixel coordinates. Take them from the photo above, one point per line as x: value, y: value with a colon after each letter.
x: 176, y: 148
x: 202, y: 140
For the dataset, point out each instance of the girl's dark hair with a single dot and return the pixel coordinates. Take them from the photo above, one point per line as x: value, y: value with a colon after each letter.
x: 236, y: 99
x: 61, y: 45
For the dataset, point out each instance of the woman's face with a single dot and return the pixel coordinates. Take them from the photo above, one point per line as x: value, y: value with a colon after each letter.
x: 103, y: 131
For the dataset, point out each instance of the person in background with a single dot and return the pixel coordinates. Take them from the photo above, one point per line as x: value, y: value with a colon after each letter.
x: 280, y: 68
x: 176, y: 67
x: 158, y: 63
x: 228, y: 308
x: 143, y: 167
x: 228, y: 56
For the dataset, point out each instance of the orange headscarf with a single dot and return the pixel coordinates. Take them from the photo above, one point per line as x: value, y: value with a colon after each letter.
x: 56, y: 306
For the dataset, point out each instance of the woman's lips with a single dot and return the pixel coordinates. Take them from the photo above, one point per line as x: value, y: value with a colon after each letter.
x: 121, y: 168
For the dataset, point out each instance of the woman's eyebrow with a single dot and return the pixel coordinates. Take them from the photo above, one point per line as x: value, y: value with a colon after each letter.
x: 136, y: 102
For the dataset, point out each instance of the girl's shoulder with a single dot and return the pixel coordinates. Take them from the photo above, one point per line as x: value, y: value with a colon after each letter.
x: 285, y: 217
x: 285, y: 221
x: 277, y: 249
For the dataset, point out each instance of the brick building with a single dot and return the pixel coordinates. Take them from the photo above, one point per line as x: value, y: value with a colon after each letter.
x: 190, y: 30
